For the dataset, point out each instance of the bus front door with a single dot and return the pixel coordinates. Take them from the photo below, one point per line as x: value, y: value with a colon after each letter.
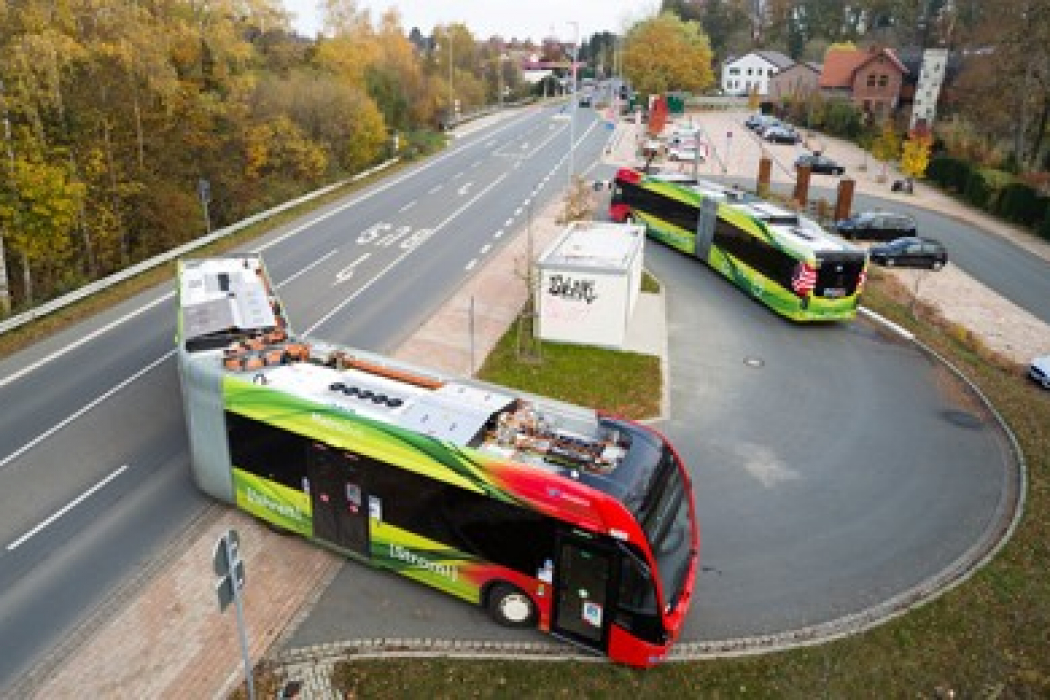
x: 707, y: 216
x: 583, y: 577
x: 337, y: 498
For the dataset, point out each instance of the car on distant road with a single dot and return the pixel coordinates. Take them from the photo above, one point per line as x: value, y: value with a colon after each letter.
x: 910, y: 251
x: 876, y: 226
x: 1039, y: 371
x: 818, y: 163
x: 781, y: 133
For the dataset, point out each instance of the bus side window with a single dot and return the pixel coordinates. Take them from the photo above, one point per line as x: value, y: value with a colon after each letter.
x: 637, y: 590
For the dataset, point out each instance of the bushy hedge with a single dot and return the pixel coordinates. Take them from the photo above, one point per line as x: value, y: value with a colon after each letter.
x: 978, y: 191
x: 1022, y: 204
x: 951, y: 173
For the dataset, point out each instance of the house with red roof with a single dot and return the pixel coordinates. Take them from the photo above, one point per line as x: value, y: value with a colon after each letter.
x: 870, y: 78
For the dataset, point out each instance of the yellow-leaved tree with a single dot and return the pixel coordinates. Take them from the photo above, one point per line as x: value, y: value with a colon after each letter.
x: 665, y: 53
x: 886, y: 146
x: 915, y: 155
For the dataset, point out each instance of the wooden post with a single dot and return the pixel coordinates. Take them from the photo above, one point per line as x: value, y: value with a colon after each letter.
x: 801, y: 194
x: 765, y: 169
x: 844, y: 201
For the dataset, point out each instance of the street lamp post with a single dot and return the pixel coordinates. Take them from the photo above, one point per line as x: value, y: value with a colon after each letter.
x: 451, y: 92
x: 572, y: 112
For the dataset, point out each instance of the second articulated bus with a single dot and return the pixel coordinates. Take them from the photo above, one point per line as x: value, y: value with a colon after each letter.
x: 784, y: 260
x: 548, y: 515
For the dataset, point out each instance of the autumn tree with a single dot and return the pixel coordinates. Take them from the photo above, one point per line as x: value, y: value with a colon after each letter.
x: 665, y: 53
x: 915, y: 155
x: 1006, y: 88
x: 886, y: 146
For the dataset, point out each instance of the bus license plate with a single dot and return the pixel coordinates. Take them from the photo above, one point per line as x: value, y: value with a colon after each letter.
x: 834, y: 292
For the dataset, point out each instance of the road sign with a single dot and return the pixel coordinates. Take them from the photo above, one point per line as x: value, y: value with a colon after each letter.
x: 229, y: 586
x: 229, y: 544
x: 226, y: 560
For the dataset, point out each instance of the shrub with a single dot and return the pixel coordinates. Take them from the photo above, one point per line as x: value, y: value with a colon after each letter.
x: 1044, y: 228
x: 978, y: 192
x: 1022, y: 204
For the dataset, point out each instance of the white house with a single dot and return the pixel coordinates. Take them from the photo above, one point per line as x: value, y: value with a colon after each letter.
x: 752, y: 70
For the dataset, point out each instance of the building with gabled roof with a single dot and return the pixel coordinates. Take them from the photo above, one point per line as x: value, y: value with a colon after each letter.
x: 870, y: 78
x: 795, y: 82
x: 752, y: 71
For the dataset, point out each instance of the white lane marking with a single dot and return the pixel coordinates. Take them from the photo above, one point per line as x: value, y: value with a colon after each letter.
x: 81, y: 411
x: 498, y: 234
x: 471, y: 264
x: 527, y: 202
x: 462, y: 191
x: 363, y: 288
x: 309, y: 267
x: 392, y: 238
x: 458, y: 175
x: 508, y: 222
x: 65, y: 509
x: 435, y: 188
x: 517, y: 212
x: 347, y: 272
x: 407, y: 206
x: 14, y: 376
x: 485, y: 248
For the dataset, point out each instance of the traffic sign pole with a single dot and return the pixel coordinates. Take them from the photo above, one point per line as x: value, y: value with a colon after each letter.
x: 226, y: 560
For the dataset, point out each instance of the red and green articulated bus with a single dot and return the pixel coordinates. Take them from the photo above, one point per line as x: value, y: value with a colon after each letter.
x: 549, y: 515
x: 783, y: 259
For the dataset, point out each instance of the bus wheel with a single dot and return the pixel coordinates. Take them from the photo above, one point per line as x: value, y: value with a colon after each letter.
x: 511, y: 607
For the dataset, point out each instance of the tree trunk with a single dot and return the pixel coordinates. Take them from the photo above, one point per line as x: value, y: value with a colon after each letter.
x: 1039, y: 133
x: 27, y: 280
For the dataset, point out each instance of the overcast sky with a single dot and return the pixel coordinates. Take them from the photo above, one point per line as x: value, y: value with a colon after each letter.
x: 534, y: 19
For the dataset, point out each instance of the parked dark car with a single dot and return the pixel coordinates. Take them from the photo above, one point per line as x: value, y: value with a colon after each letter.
x: 911, y: 251
x: 876, y: 226
x: 781, y: 133
x: 819, y: 164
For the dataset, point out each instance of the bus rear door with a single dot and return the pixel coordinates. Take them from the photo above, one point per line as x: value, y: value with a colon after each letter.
x: 337, y: 498
x: 583, y: 591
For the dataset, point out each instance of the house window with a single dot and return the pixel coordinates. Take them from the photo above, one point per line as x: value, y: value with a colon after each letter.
x: 749, y: 71
x: 871, y: 80
x: 734, y: 71
x: 884, y: 80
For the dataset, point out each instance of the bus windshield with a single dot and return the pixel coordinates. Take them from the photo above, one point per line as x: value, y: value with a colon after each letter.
x: 666, y: 523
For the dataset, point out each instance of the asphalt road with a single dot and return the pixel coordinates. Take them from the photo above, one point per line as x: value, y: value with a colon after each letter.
x: 847, y: 442
x: 94, y: 479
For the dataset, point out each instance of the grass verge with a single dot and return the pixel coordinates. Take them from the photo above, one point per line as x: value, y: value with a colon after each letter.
x: 984, y: 639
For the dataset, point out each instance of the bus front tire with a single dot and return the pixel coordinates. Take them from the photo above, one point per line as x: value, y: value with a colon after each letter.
x: 511, y: 607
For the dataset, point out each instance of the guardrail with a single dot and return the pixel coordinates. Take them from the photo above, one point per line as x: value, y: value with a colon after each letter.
x: 137, y: 269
